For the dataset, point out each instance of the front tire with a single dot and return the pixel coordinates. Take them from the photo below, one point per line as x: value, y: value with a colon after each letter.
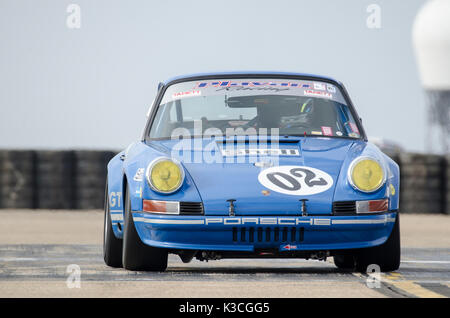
x: 344, y: 261
x: 386, y: 255
x: 138, y: 256
x: 112, y: 246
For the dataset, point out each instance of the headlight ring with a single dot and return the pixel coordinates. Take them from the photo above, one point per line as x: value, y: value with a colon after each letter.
x: 168, y: 177
x: 366, y: 174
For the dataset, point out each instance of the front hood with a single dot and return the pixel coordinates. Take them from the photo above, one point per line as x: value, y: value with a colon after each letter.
x: 312, y: 166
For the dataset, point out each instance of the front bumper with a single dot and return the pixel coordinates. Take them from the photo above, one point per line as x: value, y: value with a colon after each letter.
x: 247, y: 233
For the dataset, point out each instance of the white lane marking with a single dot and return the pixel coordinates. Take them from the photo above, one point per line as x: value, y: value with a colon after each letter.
x: 427, y: 262
x: 17, y: 259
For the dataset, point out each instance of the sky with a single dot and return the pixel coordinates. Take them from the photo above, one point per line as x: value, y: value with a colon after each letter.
x: 64, y: 87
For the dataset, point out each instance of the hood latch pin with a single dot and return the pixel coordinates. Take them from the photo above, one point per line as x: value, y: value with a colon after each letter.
x: 304, y: 212
x: 231, y: 208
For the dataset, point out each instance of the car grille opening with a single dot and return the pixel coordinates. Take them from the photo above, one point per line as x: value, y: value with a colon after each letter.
x: 344, y: 208
x: 191, y: 208
x: 261, y: 234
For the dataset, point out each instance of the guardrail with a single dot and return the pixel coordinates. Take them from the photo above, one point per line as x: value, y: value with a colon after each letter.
x: 76, y: 180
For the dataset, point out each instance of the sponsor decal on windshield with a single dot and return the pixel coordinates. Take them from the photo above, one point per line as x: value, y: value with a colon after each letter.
x: 331, y: 88
x: 249, y: 84
x: 319, y: 86
x: 327, y: 131
x: 186, y: 94
x: 249, y: 87
x: 310, y: 92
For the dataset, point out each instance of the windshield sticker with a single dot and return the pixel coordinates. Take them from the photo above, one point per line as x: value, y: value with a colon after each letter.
x: 253, y: 87
x: 310, y: 92
x: 295, y: 180
x: 186, y: 94
x: 247, y: 84
x: 319, y: 86
x: 316, y: 132
x: 331, y: 88
x: 327, y: 131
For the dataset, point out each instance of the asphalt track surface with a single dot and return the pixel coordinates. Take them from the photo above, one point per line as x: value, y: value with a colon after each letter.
x: 36, y: 248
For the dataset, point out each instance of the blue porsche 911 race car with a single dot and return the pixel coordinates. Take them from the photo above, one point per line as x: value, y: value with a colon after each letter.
x: 252, y: 165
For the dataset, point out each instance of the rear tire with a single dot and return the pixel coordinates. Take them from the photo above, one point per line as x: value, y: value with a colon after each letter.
x: 386, y: 255
x: 112, y: 246
x: 138, y: 256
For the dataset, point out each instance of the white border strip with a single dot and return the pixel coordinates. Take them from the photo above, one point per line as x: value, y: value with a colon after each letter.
x: 116, y: 217
x: 312, y: 221
x: 166, y: 221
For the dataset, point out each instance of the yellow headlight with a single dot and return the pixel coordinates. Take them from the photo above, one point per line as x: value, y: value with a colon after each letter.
x: 165, y: 176
x: 367, y: 175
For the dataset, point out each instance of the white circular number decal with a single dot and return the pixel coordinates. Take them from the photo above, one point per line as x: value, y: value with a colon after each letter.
x: 295, y: 180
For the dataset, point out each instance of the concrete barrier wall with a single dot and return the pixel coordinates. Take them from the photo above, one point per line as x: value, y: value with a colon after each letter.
x: 76, y: 180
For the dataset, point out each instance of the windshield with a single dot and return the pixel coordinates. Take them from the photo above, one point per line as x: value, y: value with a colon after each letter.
x: 253, y: 107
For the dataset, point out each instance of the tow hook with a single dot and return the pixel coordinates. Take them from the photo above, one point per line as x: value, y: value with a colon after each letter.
x: 320, y: 255
x: 208, y: 256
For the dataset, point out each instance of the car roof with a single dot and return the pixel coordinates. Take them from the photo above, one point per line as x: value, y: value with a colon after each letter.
x: 249, y: 73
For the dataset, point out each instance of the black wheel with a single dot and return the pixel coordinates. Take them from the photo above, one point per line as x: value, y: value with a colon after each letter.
x: 344, y: 261
x: 387, y: 255
x: 136, y: 255
x: 112, y: 246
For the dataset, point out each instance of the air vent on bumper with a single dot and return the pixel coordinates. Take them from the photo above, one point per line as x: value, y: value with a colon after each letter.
x: 191, y: 208
x: 344, y: 208
x: 260, y: 234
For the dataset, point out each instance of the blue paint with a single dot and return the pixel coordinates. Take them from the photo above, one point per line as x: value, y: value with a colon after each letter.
x: 214, y: 183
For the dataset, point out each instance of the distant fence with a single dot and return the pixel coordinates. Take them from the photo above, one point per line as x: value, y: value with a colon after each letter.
x: 76, y: 180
